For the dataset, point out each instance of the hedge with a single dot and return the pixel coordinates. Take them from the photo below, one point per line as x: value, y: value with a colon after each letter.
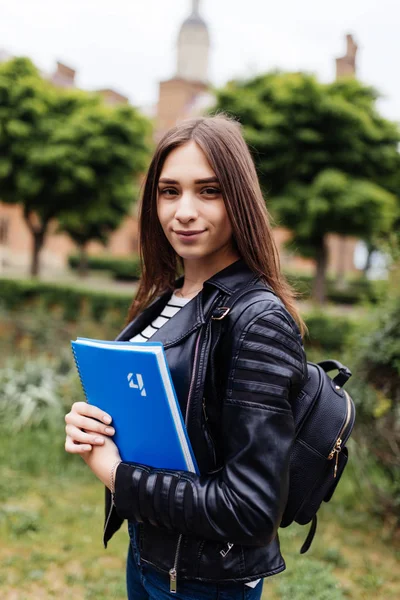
x: 327, y: 333
x: 126, y: 269
x: 73, y: 302
x: 354, y: 292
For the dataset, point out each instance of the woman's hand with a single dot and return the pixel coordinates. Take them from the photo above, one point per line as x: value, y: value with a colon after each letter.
x: 85, y: 429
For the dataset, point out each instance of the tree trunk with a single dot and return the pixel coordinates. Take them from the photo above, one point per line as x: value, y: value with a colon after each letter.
x: 370, y: 251
x: 341, y: 268
x: 319, y: 290
x: 83, y: 265
x: 38, y: 229
x: 38, y: 240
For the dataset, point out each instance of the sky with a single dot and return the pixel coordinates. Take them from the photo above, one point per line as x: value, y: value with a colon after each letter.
x: 130, y: 45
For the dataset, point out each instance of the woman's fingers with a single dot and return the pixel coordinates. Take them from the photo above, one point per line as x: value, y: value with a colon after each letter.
x: 83, y: 424
x: 73, y: 448
x: 88, y: 410
x: 82, y: 437
x: 88, y: 424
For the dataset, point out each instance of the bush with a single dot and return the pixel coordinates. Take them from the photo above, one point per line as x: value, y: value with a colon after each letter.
x: 127, y: 270
x: 32, y: 392
x: 327, y: 332
x: 355, y: 290
x: 71, y: 301
x: 375, y: 387
x: 124, y: 269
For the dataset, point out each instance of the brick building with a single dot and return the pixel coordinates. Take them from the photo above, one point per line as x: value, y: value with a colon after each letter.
x: 184, y: 95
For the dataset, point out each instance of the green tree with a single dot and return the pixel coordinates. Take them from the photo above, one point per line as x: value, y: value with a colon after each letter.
x: 95, y: 222
x: 63, y: 150
x: 324, y: 155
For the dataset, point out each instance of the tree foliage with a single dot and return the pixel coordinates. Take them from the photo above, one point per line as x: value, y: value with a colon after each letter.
x: 326, y: 159
x: 63, y: 151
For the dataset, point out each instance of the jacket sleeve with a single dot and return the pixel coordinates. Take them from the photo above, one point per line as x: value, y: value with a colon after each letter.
x: 244, y: 501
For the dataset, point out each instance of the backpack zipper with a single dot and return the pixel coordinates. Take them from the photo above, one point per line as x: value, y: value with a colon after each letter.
x: 338, y: 444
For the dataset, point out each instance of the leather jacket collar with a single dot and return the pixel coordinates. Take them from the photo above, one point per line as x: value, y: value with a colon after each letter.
x: 192, y: 315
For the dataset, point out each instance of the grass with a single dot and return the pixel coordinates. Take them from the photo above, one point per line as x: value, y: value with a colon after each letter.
x: 51, y: 519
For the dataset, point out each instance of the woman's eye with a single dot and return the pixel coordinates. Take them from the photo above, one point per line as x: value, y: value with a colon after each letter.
x: 211, y: 191
x: 168, y: 192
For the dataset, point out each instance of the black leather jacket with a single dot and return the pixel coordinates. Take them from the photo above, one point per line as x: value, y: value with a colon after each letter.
x: 235, y: 395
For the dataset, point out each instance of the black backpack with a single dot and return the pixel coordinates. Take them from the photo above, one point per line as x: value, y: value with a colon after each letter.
x: 324, y: 416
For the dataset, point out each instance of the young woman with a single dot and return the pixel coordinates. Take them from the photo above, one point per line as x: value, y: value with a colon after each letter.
x: 235, y: 372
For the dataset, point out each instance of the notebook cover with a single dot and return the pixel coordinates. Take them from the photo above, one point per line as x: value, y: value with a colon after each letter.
x: 128, y: 385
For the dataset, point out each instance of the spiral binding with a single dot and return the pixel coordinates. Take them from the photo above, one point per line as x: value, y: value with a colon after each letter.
x: 79, y: 371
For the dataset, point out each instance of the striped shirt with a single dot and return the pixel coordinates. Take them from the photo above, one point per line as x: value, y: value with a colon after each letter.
x: 174, y: 305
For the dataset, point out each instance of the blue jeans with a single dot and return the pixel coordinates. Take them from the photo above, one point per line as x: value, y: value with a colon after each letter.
x: 146, y: 583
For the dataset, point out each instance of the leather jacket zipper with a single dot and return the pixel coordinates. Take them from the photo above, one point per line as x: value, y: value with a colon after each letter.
x: 196, y: 352
x: 173, y: 573
x: 208, y: 433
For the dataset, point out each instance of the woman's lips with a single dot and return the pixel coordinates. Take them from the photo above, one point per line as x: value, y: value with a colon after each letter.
x: 188, y: 235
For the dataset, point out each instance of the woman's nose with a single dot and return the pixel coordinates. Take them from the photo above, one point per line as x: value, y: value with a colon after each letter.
x: 186, y: 209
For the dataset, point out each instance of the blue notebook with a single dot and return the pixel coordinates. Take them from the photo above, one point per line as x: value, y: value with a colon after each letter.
x: 131, y: 381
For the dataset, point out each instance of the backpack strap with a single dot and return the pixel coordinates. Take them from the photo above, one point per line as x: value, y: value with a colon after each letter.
x: 331, y: 365
x: 310, y: 536
x: 215, y: 327
x: 220, y: 312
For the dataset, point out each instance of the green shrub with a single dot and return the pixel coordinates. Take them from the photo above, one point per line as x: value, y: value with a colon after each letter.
x: 355, y: 290
x: 73, y: 302
x: 95, y: 263
x: 375, y: 388
x: 328, y: 333
x: 32, y: 392
x: 302, y: 283
x: 124, y: 269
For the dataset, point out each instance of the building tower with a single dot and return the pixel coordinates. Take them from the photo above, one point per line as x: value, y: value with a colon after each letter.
x: 342, y: 248
x: 180, y: 97
x: 193, y: 47
x: 346, y: 65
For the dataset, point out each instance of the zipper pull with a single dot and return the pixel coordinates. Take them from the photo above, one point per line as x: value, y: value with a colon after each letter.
x: 172, y: 581
x: 228, y: 548
x: 338, y: 449
x: 336, y: 464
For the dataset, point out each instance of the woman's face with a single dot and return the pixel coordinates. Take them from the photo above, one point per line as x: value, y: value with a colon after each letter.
x: 190, y: 206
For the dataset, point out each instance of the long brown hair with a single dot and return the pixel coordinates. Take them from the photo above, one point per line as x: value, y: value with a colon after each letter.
x: 221, y: 140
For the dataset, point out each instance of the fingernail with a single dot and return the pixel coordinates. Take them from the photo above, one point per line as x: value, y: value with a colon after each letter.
x: 107, y: 419
x: 99, y: 440
x: 110, y: 430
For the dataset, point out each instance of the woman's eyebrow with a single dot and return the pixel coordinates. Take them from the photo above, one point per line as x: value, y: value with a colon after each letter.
x: 197, y: 181
x: 166, y: 180
x: 208, y: 180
